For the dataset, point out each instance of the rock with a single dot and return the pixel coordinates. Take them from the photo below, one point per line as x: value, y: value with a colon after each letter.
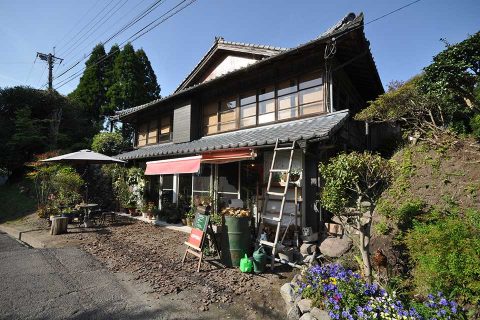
x: 306, y: 316
x: 293, y: 313
x: 308, y: 248
x: 288, y: 293
x: 296, y: 278
x: 305, y: 305
x: 319, y: 314
x: 335, y: 247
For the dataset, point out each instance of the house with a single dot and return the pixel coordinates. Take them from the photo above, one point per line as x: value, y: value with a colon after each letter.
x: 216, y: 133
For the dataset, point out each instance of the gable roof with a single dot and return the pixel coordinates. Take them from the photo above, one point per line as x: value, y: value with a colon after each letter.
x: 234, y: 48
x: 319, y: 127
x: 346, y: 25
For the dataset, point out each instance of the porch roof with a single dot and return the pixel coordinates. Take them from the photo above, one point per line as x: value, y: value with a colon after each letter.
x: 321, y: 127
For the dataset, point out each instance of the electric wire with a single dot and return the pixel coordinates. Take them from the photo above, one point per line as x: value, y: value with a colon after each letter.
x: 84, y: 27
x: 102, y: 21
x: 378, y: 18
x: 166, y: 16
x: 135, y: 20
x: 77, y: 23
x: 84, y: 55
x: 31, y: 68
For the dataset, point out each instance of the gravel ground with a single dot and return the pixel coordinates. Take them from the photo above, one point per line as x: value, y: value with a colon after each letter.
x: 152, y: 255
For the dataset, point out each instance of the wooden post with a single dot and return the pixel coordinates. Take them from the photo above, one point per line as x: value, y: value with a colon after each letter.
x: 59, y: 225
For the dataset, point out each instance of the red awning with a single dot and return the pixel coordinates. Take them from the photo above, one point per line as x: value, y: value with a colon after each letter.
x: 192, y: 164
x: 172, y: 166
x: 227, y: 156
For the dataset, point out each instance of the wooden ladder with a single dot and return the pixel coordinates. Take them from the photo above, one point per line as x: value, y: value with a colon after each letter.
x: 269, y: 193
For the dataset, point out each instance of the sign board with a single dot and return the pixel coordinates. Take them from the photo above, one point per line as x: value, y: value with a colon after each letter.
x: 195, y: 238
x: 201, y: 222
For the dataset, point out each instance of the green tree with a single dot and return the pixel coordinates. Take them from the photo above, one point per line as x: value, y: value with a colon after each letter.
x: 455, y: 72
x: 406, y: 105
x: 91, y: 92
x: 353, y: 184
x: 34, y: 121
x: 150, y: 90
x: 133, y: 83
x: 27, y: 137
x: 109, y: 143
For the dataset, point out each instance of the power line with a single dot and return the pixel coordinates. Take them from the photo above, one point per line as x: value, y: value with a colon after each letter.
x: 90, y: 44
x: 132, y: 38
x: 135, y: 20
x: 88, y: 33
x: 41, y: 76
x: 87, y: 24
x: 378, y: 18
x: 31, y: 68
x: 77, y: 23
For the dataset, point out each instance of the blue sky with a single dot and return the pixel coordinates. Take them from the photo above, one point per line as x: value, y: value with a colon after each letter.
x: 402, y: 43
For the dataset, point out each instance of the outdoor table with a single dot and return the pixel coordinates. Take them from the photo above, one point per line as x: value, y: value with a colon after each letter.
x: 87, y: 207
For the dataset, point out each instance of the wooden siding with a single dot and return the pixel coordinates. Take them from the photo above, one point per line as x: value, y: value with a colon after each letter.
x: 182, y: 121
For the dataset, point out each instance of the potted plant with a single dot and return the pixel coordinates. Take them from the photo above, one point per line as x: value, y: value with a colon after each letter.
x: 145, y: 211
x: 132, y: 207
x: 150, y: 209
x: 276, y: 177
x: 295, y: 175
x: 190, y: 216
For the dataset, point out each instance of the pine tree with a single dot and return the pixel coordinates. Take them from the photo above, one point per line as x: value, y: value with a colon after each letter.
x: 149, y: 88
x: 90, y: 92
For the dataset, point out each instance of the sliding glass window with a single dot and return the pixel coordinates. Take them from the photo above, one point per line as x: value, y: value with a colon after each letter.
x: 248, y: 109
x: 266, y: 105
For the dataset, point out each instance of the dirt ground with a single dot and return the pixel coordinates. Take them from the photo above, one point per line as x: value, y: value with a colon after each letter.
x: 152, y: 256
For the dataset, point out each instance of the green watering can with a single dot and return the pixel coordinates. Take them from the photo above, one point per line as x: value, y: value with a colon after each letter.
x: 246, y: 265
x: 259, y: 260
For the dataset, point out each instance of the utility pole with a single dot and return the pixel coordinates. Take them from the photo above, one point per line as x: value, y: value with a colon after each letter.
x: 50, y: 59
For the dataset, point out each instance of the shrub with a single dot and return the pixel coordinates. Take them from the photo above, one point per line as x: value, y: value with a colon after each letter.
x: 67, y: 185
x: 475, y: 125
x: 446, y: 256
x: 109, y: 143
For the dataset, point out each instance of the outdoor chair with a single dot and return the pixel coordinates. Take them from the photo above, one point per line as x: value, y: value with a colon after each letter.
x: 96, y: 216
x: 110, y: 215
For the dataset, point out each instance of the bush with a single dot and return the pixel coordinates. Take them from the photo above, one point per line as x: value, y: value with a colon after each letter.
x: 109, y: 143
x: 67, y: 185
x: 475, y: 125
x: 446, y: 256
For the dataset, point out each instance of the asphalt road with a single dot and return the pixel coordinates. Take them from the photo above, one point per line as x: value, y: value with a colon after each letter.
x: 64, y: 283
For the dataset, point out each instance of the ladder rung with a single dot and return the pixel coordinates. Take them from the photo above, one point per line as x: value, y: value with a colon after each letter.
x: 278, y: 194
x: 279, y: 170
x: 284, y: 148
x: 277, y: 219
x: 267, y: 243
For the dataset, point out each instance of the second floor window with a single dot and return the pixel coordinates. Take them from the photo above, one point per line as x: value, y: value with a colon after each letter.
x: 286, y: 100
x: 155, y: 131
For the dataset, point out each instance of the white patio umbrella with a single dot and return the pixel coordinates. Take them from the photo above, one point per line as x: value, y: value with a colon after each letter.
x: 84, y: 157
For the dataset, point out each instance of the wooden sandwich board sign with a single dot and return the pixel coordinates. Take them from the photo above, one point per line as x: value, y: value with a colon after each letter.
x: 197, y: 236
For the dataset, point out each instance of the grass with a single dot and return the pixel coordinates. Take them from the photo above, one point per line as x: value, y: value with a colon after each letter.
x: 15, y: 204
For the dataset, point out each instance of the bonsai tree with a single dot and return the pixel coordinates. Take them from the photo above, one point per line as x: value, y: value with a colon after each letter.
x: 353, y: 184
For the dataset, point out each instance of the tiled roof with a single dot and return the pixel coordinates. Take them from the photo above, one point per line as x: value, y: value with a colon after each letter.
x: 321, y: 127
x: 221, y: 43
x: 349, y: 22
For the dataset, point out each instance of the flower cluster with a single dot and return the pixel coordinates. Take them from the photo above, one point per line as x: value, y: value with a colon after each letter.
x: 346, y: 296
x: 437, y: 307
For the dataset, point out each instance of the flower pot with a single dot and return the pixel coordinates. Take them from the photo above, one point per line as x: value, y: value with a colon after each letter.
x: 189, y: 222
x: 184, y: 221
